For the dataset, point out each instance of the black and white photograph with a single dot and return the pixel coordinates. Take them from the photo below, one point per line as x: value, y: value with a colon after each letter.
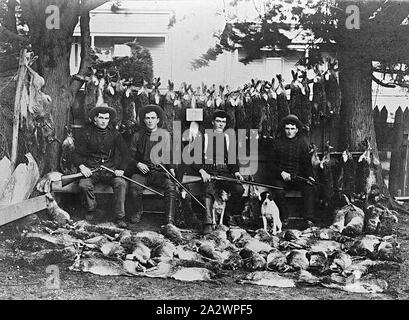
x: 204, y: 156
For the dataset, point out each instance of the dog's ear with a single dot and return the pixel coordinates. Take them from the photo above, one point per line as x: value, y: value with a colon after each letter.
x: 263, y: 195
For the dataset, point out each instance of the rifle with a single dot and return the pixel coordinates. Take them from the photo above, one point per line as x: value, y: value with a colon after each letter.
x: 221, y: 178
x: 312, y: 182
x: 67, y: 179
x: 133, y: 181
x: 181, y: 185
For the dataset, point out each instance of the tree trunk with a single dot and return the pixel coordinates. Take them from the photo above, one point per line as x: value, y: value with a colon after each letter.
x: 53, y: 48
x: 355, y: 72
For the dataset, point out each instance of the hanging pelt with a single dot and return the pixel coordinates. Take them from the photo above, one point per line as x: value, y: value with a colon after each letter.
x: 332, y: 90
x: 143, y: 97
x: 241, y: 119
x: 347, y: 177
x: 283, y: 108
x: 305, y: 102
x: 272, y: 107
x: 168, y: 107
x: 177, y: 106
x: 326, y: 176
x: 209, y: 108
x: 186, y: 100
x: 114, y: 100
x: 366, y: 170
x: 155, y: 96
x: 91, y: 89
x: 231, y: 106
x: 68, y: 147
x: 257, y: 106
x: 319, y: 99
x: 220, y: 99
x: 266, y: 120
x: 201, y: 98
x: 300, y: 97
x: 297, y: 90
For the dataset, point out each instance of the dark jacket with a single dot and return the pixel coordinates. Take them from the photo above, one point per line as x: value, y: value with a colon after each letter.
x: 94, y: 147
x: 141, y: 146
x: 290, y: 155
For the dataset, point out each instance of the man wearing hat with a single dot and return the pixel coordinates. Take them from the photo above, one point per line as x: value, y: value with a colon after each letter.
x: 289, y: 156
x: 215, y: 162
x: 99, y: 144
x: 145, y: 160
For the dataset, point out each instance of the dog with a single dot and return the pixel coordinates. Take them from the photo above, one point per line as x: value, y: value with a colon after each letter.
x: 58, y: 215
x: 219, y: 205
x: 251, y: 210
x: 270, y: 213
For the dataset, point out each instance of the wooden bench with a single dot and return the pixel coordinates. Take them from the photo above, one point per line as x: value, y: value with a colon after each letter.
x: 72, y: 187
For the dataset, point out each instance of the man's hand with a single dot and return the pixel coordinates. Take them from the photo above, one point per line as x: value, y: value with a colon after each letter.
x: 142, y: 167
x: 172, y: 171
x: 311, y: 181
x: 86, y: 172
x: 205, y: 176
x: 119, y: 173
x: 238, y: 176
x: 286, y: 176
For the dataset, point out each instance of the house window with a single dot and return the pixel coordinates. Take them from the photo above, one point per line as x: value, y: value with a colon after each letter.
x: 274, y: 65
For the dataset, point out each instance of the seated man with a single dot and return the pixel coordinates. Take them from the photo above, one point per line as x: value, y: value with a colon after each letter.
x: 289, y: 156
x: 146, y: 170
x: 215, y: 162
x: 98, y: 144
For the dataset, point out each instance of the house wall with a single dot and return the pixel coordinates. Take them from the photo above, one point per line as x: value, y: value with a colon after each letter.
x: 174, y: 48
x: 178, y: 31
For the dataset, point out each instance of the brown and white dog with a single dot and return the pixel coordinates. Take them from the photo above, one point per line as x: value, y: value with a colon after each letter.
x: 270, y: 213
x: 219, y: 205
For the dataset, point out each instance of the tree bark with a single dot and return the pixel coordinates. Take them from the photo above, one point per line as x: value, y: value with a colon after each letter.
x: 53, y: 48
x: 355, y: 72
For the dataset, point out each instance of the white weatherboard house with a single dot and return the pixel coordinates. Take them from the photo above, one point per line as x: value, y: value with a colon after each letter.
x: 178, y: 31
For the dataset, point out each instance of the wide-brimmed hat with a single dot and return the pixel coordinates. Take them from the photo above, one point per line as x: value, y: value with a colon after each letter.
x: 291, y: 119
x: 103, y: 108
x: 151, y: 108
x: 220, y: 114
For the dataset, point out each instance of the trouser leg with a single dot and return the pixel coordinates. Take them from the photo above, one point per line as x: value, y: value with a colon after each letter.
x: 171, y: 194
x: 281, y: 201
x: 120, y: 187
x: 160, y: 180
x: 234, y: 204
x: 86, y: 187
x: 308, y: 201
x: 136, y: 192
x: 210, y: 189
x: 208, y: 219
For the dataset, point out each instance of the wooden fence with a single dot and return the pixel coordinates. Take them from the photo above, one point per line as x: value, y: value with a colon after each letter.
x: 393, y: 139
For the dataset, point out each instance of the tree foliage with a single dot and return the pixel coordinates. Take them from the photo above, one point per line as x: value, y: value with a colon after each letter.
x: 381, y: 36
x: 137, y: 68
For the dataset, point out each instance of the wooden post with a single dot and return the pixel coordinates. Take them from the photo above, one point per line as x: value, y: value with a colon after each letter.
x: 395, y: 171
x: 405, y: 153
x: 17, y: 107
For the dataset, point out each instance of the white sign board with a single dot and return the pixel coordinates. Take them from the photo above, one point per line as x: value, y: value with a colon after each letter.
x: 194, y: 114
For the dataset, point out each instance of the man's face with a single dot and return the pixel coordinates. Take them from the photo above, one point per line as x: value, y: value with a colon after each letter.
x: 291, y: 130
x: 151, y: 120
x: 219, y: 124
x: 102, y: 120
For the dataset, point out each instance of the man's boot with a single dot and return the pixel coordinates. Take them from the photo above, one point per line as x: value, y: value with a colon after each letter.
x: 208, y: 220
x: 136, y: 217
x: 171, y: 209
